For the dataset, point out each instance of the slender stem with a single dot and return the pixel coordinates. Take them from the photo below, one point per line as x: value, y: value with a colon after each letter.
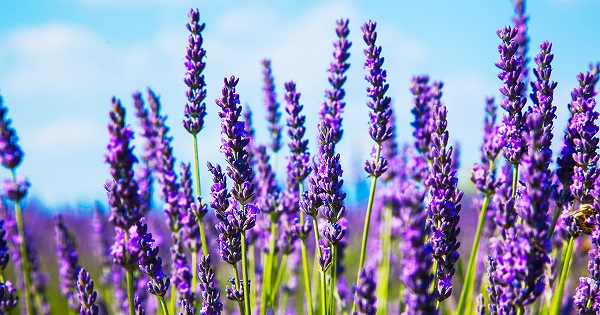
x: 316, y: 230
x: 267, y: 282
x: 23, y: 250
x: 278, y: 278
x: 172, y: 299
x: 323, y: 294
x: 434, y: 269
x: 555, y: 219
x: 567, y: 256
x: 194, y: 275
x: 515, y: 179
x: 245, y: 274
x: 236, y: 277
x: 129, y: 277
x: 466, y: 294
x: 251, y: 261
x: 333, y: 284
x: 305, y: 271
x: 163, y: 305
x: 384, y: 267
x: 199, y: 193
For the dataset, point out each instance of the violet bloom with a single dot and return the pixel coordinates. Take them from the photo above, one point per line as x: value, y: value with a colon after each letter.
x: 191, y: 211
x: 16, y: 189
x: 139, y: 309
x: 273, y: 113
x: 366, y: 300
x: 195, y: 108
x: 484, y: 173
x: 298, y: 161
x: 211, y: 305
x: 11, y: 154
x: 181, y: 272
x: 9, y: 299
x: 268, y: 192
x: 379, y: 103
x: 122, y: 191
x: 4, y: 250
x: 422, y: 112
x: 389, y: 151
x: 520, y: 20
x: 444, y: 207
x: 513, y: 89
x: 86, y: 294
x: 68, y: 262
x: 417, y: 260
x: 333, y: 107
x: 150, y: 263
x: 186, y: 308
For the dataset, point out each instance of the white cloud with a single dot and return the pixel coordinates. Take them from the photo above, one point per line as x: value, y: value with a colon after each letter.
x: 65, y: 135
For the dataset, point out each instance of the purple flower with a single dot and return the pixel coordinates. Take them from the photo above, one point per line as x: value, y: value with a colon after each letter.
x: 68, y: 261
x: 208, y: 288
x: 520, y: 20
x: 139, y: 309
x: 331, y: 110
x: 513, y: 89
x: 366, y: 300
x: 181, y: 272
x: 4, y: 250
x: 484, y: 175
x: 11, y: 154
x: 268, y: 192
x: 298, y: 161
x: 86, y: 294
x: 273, y: 113
x: 16, y: 189
x: 186, y: 308
x: 422, y: 112
x: 9, y: 299
x: 122, y: 191
x: 195, y: 108
x: 191, y: 211
x: 150, y: 263
x: 444, y: 206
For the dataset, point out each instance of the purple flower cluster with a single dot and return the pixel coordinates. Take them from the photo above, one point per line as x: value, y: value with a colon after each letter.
x: 150, y: 263
x: 366, y: 300
x: 11, y: 154
x: 520, y: 20
x: 86, y: 294
x: 68, y: 262
x: 273, y: 113
x: 298, y: 161
x: 422, y: 112
x: 444, y: 206
x: 211, y: 305
x: 513, y: 89
x: 484, y: 173
x: 195, y: 108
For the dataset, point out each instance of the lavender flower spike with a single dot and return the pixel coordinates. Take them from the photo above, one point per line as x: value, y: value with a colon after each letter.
x: 365, y: 299
x: 297, y: 166
x: 210, y: 293
x: 4, y: 250
x: 11, y: 154
x: 86, y: 294
x: 520, y: 20
x: 150, y: 263
x: 68, y: 262
x: 511, y: 75
x: 273, y: 113
x: 195, y: 108
x: 444, y: 207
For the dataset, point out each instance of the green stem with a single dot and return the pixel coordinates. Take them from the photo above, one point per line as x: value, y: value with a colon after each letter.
x: 384, y: 269
x: 555, y: 219
x: 172, y: 299
x: 567, y: 256
x: 515, y: 180
x: 305, y: 271
x: 194, y: 275
x: 267, y: 283
x: 278, y: 278
x: 333, y: 284
x: 129, y: 277
x: 251, y: 261
x: 237, y: 286
x: 323, y: 294
x: 23, y: 250
x: 199, y: 193
x: 163, y: 305
x: 245, y: 273
x: 466, y: 294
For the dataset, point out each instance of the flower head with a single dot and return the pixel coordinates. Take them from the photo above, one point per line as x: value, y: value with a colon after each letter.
x: 195, y: 108
x: 11, y: 154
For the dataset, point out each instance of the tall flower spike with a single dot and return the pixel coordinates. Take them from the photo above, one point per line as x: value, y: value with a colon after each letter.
x: 366, y: 301
x: 298, y: 161
x: 211, y: 305
x: 444, y: 207
x: 122, y: 191
x: 273, y: 113
x: 334, y: 104
x: 68, y: 262
x: 195, y: 108
x: 150, y: 263
x: 520, y: 20
x: 86, y: 294
x: 11, y: 154
x: 4, y: 250
x: 9, y: 299
x: 181, y: 272
x: 191, y: 210
x: 513, y: 89
x: 422, y: 111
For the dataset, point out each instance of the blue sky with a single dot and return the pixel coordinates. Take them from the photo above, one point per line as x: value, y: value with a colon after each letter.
x: 61, y: 61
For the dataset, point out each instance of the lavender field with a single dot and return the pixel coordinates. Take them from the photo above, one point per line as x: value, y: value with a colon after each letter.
x: 286, y: 205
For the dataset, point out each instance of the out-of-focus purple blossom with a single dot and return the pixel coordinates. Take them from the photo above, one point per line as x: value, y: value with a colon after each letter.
x: 86, y: 294
x: 444, y: 206
x: 148, y: 131
x: 272, y: 106
x: 122, y: 190
x: 365, y: 299
x: 181, y: 272
x: 211, y: 305
x: 101, y: 245
x: 139, y: 309
x: 332, y: 108
x: 520, y: 20
x: 417, y: 259
x: 298, y: 161
x: 126, y: 253
x: 587, y: 296
x: 68, y: 261
x: 422, y: 112
x: 15, y: 189
x: 480, y: 305
x: 389, y: 151
x: 513, y: 89
x: 190, y: 210
x: 195, y: 108
x: 484, y: 174
x: 11, y: 154
x: 4, y: 250
x: 186, y: 308
x: 379, y: 103
x: 150, y: 263
x: 268, y: 192
x: 9, y: 299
